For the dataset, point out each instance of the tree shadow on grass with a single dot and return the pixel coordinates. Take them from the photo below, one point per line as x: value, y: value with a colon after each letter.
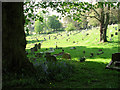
x: 78, y: 52
x: 112, y: 41
x: 35, y: 41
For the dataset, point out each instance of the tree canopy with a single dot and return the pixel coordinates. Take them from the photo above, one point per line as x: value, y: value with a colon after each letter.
x: 53, y: 23
x: 78, y: 9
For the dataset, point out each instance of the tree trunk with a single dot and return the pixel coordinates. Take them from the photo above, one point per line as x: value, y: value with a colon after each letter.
x: 102, y: 24
x: 14, y: 58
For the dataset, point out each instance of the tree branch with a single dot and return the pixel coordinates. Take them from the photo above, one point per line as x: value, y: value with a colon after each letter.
x: 91, y: 17
x: 96, y: 12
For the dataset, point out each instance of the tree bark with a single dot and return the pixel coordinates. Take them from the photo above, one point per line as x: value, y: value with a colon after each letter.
x: 106, y: 24
x: 14, y: 58
x: 102, y: 24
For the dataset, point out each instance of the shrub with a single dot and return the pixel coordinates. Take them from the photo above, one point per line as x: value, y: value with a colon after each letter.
x: 54, y: 70
x: 70, y: 27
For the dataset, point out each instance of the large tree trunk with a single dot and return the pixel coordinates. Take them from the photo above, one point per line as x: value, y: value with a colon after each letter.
x: 14, y: 58
x: 102, y: 24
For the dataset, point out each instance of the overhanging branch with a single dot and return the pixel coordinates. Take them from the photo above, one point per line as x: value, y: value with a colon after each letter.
x: 96, y: 12
x: 91, y: 17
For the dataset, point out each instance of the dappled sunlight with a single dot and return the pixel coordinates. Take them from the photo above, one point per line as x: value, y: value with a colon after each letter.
x: 100, y: 60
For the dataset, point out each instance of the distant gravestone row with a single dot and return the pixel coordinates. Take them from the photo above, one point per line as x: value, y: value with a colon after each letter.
x: 35, y: 48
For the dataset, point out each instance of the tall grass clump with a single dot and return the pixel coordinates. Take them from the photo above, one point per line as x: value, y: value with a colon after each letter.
x: 56, y: 71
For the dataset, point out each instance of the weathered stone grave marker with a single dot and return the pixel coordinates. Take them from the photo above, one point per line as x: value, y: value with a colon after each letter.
x: 66, y: 56
x: 111, y: 35
x: 35, y: 47
x: 56, y: 46
x: 26, y: 52
x: 45, y: 39
x: 73, y: 48
x: 91, y: 54
x: 50, y: 57
x: 39, y: 46
x: 51, y: 49
x: 100, y: 50
x: 84, y: 52
x: 32, y: 50
x: 110, y: 39
x: 39, y: 54
x: 87, y: 34
x: 82, y: 59
x: 49, y: 37
x: 115, y: 61
x: 73, y: 41
x: 116, y: 33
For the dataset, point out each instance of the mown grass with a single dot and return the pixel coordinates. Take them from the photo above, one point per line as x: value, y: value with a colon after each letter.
x: 88, y: 74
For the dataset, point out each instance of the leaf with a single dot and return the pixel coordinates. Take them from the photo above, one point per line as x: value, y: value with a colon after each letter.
x: 41, y: 19
x: 29, y: 15
x: 43, y: 11
x: 112, y: 5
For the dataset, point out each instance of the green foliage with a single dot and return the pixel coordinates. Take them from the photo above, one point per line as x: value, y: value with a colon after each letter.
x: 38, y: 26
x: 70, y: 27
x: 90, y: 72
x: 53, y: 23
x: 57, y: 71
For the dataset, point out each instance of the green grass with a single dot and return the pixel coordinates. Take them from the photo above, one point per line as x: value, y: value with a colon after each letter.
x: 92, y: 73
x: 88, y: 74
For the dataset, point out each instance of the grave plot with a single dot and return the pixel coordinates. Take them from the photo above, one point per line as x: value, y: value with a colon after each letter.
x: 115, y: 62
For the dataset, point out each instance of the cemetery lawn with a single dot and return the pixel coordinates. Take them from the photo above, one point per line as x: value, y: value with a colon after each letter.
x: 88, y: 74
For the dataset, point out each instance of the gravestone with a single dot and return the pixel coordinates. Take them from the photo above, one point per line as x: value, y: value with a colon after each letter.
x: 87, y: 34
x: 45, y: 39
x: 41, y: 41
x: 56, y: 47
x: 50, y: 57
x: 35, y: 47
x: 39, y: 46
x: 91, y: 54
x: 82, y: 59
x: 37, y: 39
x: 73, y: 41
x: 110, y: 39
x: 116, y: 57
x: 102, y: 52
x: 51, y: 49
x: 73, y: 48
x: 32, y: 50
x: 98, y: 54
x: 49, y: 37
x: 39, y: 54
x: 26, y: 52
x: 100, y: 49
x: 55, y: 37
x: 111, y: 35
x: 116, y: 33
x: 115, y: 60
x: 84, y: 52
x: 66, y: 56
